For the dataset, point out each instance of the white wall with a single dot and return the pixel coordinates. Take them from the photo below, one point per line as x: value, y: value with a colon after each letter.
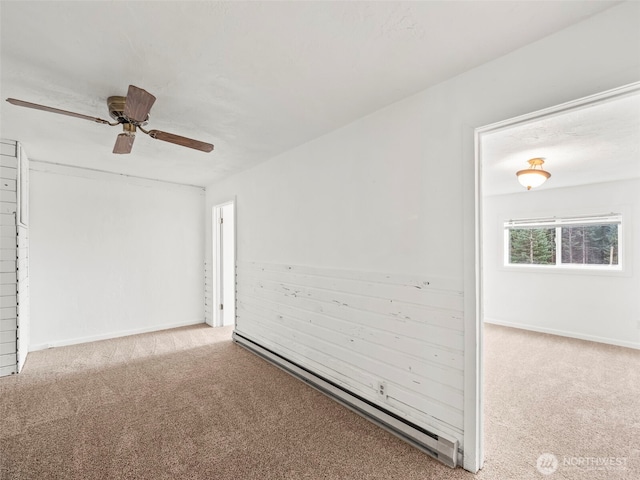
x: 112, y: 255
x: 599, y: 306
x: 394, y: 192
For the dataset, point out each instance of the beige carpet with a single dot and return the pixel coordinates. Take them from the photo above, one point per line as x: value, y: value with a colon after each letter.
x: 577, y: 400
x: 188, y: 403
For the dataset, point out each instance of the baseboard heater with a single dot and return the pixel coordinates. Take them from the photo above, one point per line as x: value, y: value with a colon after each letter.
x: 435, y: 445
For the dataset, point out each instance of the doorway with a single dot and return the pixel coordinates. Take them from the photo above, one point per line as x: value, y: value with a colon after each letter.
x: 224, y: 255
x: 519, y: 300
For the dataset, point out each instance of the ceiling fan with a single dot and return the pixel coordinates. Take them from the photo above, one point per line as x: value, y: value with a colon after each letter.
x: 132, y: 112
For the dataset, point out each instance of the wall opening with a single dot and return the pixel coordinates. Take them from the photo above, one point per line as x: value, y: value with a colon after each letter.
x: 502, y: 149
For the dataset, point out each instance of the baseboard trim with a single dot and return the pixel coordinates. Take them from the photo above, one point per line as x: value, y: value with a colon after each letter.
x: 564, y: 333
x: 108, y: 336
x: 434, y: 444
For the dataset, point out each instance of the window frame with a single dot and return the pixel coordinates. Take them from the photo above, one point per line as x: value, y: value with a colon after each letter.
x: 558, y: 223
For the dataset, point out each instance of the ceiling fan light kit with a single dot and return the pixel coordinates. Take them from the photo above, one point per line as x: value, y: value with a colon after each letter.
x: 132, y: 112
x: 534, y: 176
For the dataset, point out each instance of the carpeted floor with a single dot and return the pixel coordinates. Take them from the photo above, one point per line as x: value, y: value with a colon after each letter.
x: 189, y: 404
x: 576, y: 400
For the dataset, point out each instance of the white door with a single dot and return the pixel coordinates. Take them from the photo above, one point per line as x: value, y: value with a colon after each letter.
x: 226, y: 259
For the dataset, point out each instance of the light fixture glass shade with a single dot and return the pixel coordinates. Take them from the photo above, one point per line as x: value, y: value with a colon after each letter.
x: 533, y: 177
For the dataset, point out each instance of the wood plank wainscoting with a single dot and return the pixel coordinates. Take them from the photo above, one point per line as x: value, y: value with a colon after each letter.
x: 14, y: 257
x: 208, y: 294
x: 389, y: 346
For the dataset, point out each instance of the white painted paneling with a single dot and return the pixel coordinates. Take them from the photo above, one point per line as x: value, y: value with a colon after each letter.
x: 8, y: 173
x: 8, y: 337
x: 208, y: 293
x: 7, y: 219
x: 8, y: 313
x: 9, y: 324
x: 8, y: 362
x: 7, y: 266
x: 358, y: 329
x: 9, y: 231
x: 110, y: 255
x: 8, y: 184
x: 7, y: 196
x: 7, y: 289
x: 9, y: 162
x: 8, y: 278
x: 9, y: 301
x: 8, y: 348
x: 7, y: 208
x: 6, y: 370
x: 8, y: 148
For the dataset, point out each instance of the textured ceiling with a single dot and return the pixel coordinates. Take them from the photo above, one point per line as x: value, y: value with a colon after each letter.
x: 253, y: 78
x: 590, y: 144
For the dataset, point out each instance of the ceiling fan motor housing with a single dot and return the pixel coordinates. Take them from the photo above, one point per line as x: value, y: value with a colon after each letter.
x: 116, y: 110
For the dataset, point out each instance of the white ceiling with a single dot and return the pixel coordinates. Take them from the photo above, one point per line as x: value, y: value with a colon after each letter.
x: 595, y: 143
x: 253, y: 78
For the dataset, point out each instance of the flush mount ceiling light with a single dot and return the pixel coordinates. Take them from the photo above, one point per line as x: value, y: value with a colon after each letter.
x: 534, y: 176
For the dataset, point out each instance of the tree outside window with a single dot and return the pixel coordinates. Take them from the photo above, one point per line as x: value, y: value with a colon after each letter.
x: 532, y: 246
x: 590, y: 245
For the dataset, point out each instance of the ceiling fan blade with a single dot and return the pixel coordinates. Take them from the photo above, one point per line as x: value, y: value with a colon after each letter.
x: 124, y: 142
x: 178, y: 140
x: 22, y: 103
x: 138, y: 104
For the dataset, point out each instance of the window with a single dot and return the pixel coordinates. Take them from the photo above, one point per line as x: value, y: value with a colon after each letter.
x: 578, y: 242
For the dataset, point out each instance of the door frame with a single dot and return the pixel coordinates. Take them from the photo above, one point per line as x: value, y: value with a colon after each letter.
x: 474, y: 379
x: 216, y: 231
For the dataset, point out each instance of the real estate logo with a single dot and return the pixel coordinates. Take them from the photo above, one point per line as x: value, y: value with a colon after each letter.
x: 547, y: 463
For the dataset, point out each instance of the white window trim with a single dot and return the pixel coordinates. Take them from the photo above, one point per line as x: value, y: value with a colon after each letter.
x: 558, y: 223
